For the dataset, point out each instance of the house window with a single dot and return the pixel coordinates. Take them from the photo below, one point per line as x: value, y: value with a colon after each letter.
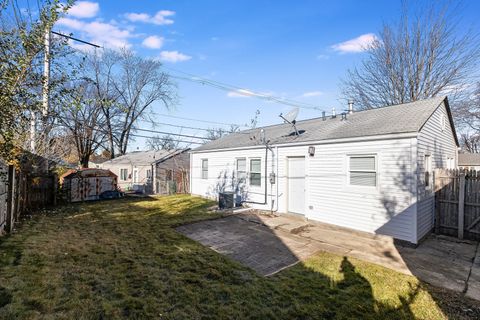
x: 204, y: 168
x: 241, y: 170
x: 169, y: 175
x: 123, y: 174
x: 450, y: 163
x: 428, y: 169
x: 442, y: 122
x: 255, y: 172
x: 363, y: 171
x: 149, y: 173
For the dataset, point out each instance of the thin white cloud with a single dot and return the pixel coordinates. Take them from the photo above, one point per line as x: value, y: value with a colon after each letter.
x: 101, y: 33
x: 359, y: 44
x: 240, y: 93
x: 84, y: 9
x: 312, y: 94
x: 153, y: 42
x: 323, y: 57
x: 173, y: 56
x: 160, y: 18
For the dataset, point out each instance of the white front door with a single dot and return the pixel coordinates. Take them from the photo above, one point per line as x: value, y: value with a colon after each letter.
x: 296, y: 185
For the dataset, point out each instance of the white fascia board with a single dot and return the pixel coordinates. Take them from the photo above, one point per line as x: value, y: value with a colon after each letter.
x: 319, y: 142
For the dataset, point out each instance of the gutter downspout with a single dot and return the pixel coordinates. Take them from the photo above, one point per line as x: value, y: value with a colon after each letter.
x: 277, y: 181
x: 265, y: 182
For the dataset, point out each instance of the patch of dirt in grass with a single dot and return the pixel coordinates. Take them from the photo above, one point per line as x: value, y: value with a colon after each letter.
x: 5, y: 297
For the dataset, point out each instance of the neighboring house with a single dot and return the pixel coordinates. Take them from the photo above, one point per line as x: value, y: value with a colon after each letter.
x: 172, y: 173
x: 469, y: 161
x: 369, y: 170
x: 141, y: 171
x: 97, y: 163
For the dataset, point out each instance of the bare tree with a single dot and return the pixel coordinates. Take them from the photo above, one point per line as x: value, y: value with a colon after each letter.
x: 467, y: 118
x: 422, y: 56
x: 103, y: 67
x: 217, y: 133
x: 165, y: 142
x: 140, y: 82
x: 470, y: 142
x: 82, y: 120
x: 126, y: 86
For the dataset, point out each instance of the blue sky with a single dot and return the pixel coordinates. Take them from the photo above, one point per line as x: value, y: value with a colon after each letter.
x: 297, y: 50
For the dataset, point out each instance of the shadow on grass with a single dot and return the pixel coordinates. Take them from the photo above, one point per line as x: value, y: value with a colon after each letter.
x: 123, y: 259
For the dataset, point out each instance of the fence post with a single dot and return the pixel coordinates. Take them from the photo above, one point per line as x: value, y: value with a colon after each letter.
x: 436, y: 189
x: 10, y: 196
x: 461, y: 204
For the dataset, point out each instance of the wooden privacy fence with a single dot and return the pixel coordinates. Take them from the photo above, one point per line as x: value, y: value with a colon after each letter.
x: 457, y: 203
x: 21, y: 192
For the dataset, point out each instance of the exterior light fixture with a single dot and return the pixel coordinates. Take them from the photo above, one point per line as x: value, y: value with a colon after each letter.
x: 311, y: 151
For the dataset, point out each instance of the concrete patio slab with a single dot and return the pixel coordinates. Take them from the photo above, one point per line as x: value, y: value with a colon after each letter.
x: 255, y: 245
x: 270, y: 243
x: 473, y: 287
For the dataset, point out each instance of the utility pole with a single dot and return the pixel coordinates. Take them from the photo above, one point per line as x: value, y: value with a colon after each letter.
x: 46, y: 90
x: 46, y: 81
x: 45, y: 98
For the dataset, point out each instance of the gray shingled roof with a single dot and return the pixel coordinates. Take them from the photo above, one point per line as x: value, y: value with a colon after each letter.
x: 402, y: 118
x: 142, y: 158
x: 469, y: 159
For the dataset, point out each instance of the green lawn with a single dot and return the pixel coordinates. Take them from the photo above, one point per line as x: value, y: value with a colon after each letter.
x: 123, y: 259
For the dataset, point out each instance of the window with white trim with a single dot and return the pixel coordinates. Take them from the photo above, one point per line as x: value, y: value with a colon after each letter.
x: 241, y: 170
x: 443, y: 123
x: 363, y: 170
x: 123, y: 174
x: 450, y: 163
x: 204, y: 168
x: 255, y: 172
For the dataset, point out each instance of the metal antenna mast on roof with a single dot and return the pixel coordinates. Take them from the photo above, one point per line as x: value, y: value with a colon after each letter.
x: 290, y: 118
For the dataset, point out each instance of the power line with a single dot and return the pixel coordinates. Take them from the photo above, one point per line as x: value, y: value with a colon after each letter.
x: 173, y: 125
x: 141, y: 136
x: 76, y: 39
x: 198, y: 120
x: 173, y: 134
x: 242, y: 91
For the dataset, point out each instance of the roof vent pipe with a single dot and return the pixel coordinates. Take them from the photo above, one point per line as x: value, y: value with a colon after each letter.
x: 333, y: 113
x: 323, y: 116
x: 350, y: 106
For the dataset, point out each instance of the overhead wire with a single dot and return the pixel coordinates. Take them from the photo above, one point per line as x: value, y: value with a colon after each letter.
x: 242, y: 91
x: 141, y: 136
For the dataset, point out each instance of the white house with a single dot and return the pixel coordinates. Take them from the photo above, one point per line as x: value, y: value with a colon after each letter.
x: 469, y: 161
x: 151, y: 171
x: 368, y: 170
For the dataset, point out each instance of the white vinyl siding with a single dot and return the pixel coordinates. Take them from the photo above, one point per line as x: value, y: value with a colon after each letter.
x: 204, y: 168
x: 387, y: 209
x: 436, y: 140
x: 255, y: 172
x: 363, y: 171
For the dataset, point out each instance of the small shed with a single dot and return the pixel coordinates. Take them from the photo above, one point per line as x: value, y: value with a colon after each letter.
x: 87, y: 184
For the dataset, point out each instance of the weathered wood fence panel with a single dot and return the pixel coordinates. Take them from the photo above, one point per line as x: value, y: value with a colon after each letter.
x: 3, y: 195
x: 21, y: 192
x: 457, y: 203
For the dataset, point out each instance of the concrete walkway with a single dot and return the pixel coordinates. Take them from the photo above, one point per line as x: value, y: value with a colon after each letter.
x: 268, y: 244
